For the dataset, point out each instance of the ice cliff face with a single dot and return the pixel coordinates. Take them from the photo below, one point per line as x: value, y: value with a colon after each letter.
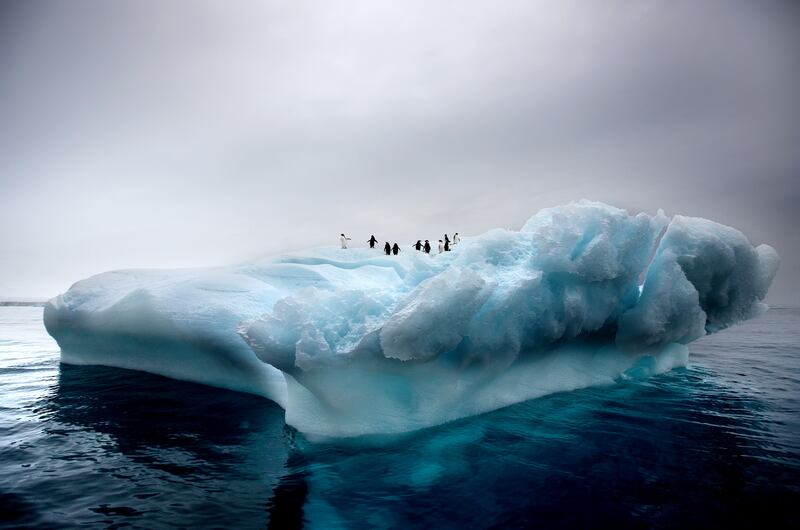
x: 352, y: 342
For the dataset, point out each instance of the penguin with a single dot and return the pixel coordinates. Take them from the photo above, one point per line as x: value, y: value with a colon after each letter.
x: 456, y: 238
x: 418, y: 245
x: 387, y: 248
x: 344, y: 239
x: 446, y: 245
x: 372, y: 241
x: 395, y: 249
x: 441, y: 246
x: 427, y: 247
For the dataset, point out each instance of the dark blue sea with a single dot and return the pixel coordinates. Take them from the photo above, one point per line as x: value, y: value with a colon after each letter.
x: 713, y: 445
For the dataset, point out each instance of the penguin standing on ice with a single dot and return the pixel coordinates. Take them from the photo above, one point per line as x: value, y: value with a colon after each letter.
x: 441, y: 246
x: 372, y: 241
x: 446, y: 245
x: 456, y: 238
x: 418, y: 245
x: 427, y: 247
x: 387, y: 248
x: 395, y: 249
x: 446, y: 240
x: 344, y: 239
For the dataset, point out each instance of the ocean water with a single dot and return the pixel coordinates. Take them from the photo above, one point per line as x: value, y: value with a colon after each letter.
x: 713, y: 445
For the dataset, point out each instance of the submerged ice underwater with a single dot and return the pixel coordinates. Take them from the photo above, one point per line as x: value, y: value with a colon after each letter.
x: 350, y: 342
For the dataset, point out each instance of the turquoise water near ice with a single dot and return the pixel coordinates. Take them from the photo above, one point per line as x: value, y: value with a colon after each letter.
x: 716, y: 444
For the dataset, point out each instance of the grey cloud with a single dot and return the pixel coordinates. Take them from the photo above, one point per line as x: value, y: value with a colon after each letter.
x: 191, y: 133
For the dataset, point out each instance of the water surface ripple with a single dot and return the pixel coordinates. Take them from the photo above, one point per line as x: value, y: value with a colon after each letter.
x: 716, y: 444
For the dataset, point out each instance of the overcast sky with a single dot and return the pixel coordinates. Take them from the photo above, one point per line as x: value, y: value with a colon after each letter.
x: 177, y: 133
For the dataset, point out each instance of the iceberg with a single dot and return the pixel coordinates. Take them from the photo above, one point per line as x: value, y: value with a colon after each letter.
x: 351, y: 342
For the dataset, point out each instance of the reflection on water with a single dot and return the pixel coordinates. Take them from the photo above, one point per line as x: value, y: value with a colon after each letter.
x: 150, y: 418
x: 664, y: 452
x: 126, y: 445
x: 716, y: 444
